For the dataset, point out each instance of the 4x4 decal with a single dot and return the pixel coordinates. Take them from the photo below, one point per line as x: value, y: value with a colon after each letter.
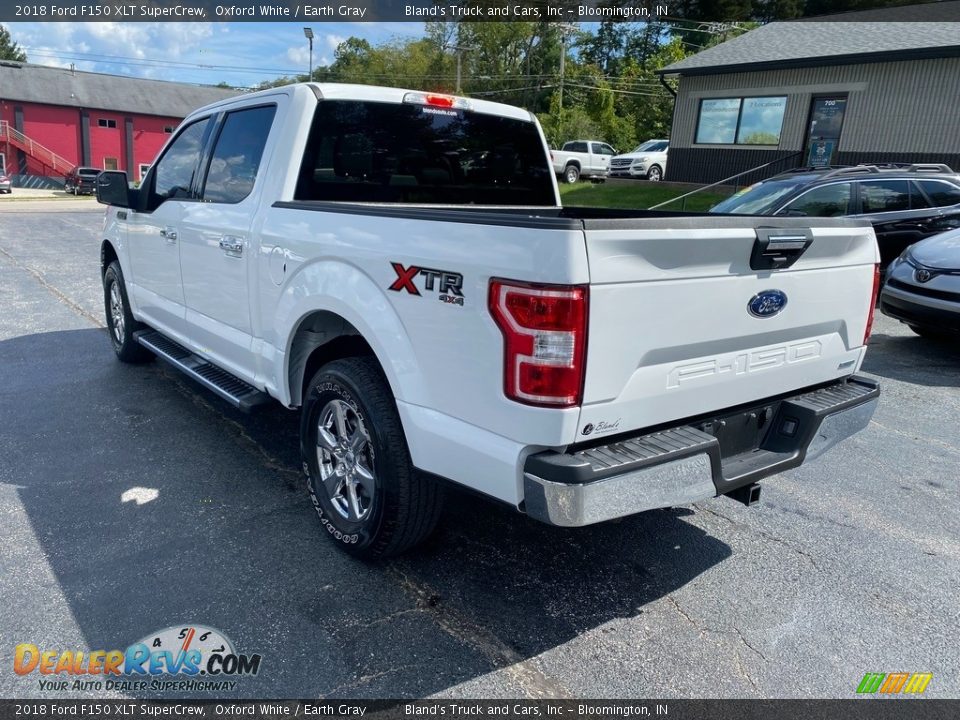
x: 448, y: 284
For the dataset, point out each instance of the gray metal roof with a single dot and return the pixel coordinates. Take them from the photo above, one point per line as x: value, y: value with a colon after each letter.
x: 26, y: 82
x: 809, y: 43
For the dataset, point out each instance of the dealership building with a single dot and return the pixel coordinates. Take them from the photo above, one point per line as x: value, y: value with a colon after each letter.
x: 54, y: 119
x: 822, y: 92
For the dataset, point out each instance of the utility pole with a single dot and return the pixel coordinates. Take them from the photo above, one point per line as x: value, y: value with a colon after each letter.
x: 308, y: 34
x: 459, y: 49
x: 565, y: 29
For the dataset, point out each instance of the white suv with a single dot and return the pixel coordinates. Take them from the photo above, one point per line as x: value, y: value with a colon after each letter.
x: 648, y: 160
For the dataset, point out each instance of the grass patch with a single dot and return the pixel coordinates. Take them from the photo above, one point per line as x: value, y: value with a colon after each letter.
x: 636, y: 195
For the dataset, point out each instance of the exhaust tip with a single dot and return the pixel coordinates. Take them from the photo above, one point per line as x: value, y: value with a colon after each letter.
x: 748, y: 494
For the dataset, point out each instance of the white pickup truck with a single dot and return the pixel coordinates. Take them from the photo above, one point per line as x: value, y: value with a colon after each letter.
x: 581, y: 159
x: 397, y: 266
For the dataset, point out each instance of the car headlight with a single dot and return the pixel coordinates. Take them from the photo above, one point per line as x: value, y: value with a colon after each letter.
x: 907, y: 256
x: 638, y: 161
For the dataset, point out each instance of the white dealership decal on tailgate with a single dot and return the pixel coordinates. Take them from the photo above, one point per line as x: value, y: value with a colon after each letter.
x: 745, y: 362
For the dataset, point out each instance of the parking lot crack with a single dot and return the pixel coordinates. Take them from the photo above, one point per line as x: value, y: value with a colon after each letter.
x: 686, y: 616
x: 53, y: 290
x: 742, y: 671
x: 534, y: 683
x: 364, y: 679
x: 747, y: 643
x: 768, y: 536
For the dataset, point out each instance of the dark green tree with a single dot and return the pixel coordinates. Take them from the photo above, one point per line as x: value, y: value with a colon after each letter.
x: 9, y: 50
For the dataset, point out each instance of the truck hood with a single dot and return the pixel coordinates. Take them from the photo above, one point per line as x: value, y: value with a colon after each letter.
x: 941, y: 251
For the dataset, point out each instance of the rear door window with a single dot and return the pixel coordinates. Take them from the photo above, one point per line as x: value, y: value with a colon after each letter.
x: 236, y: 158
x: 361, y: 151
x: 825, y: 201
x: 884, y: 196
x: 941, y: 194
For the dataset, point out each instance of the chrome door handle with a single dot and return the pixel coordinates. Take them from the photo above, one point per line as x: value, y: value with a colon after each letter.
x: 232, y: 246
x: 169, y: 233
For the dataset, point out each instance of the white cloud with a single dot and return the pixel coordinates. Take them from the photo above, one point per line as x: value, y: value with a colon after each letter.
x: 298, y: 55
x: 333, y: 41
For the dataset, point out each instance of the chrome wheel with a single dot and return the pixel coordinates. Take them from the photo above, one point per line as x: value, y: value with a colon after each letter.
x: 116, y: 313
x: 345, y: 457
x: 654, y: 174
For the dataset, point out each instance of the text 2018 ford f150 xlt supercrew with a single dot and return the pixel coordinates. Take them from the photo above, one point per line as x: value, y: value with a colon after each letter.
x: 397, y: 265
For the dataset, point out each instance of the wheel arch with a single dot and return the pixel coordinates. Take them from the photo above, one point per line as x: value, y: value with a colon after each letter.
x: 336, y: 306
x: 321, y: 337
x: 108, y: 253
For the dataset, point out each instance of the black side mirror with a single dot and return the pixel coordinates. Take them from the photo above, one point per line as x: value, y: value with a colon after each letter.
x: 112, y: 189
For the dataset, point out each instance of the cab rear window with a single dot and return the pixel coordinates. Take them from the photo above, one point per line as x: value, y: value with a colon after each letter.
x: 360, y: 151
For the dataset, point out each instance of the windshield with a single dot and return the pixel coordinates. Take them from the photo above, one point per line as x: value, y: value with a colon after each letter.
x: 650, y: 146
x: 757, y: 199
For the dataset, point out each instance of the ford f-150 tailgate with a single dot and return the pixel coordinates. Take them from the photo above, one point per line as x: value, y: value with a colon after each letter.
x: 691, y: 315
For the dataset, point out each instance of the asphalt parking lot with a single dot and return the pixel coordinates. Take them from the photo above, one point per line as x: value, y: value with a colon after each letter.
x: 132, y: 500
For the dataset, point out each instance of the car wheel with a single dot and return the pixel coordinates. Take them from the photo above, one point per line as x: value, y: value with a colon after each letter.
x: 120, y: 321
x: 368, y: 496
x: 571, y: 174
x: 655, y: 174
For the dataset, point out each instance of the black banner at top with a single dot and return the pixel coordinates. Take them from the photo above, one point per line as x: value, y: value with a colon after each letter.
x: 318, y: 11
x: 333, y: 11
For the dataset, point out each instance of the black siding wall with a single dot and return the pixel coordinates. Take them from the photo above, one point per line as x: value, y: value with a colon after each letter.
x: 708, y: 165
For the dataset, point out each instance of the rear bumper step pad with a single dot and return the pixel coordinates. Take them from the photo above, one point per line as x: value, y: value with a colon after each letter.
x: 686, y: 463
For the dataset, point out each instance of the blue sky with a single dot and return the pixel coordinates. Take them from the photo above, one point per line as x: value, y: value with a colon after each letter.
x: 241, y: 54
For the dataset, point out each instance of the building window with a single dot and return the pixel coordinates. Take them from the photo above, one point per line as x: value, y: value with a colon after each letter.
x: 143, y: 170
x: 110, y: 164
x: 104, y: 122
x: 741, y: 121
x: 168, y: 129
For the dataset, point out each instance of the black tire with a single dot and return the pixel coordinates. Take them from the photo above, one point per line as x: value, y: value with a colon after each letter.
x: 655, y: 173
x: 571, y: 173
x: 120, y: 322
x: 403, y: 505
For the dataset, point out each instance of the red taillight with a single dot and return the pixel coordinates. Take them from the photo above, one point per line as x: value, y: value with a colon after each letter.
x: 545, y: 338
x: 440, y: 100
x: 873, y: 303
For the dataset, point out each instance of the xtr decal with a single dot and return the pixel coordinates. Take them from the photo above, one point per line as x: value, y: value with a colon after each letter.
x: 448, y: 284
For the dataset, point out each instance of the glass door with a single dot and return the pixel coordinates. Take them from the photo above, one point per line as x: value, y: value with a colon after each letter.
x: 823, y: 133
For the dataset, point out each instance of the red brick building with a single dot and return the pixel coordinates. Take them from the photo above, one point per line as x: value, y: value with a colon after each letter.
x: 54, y: 119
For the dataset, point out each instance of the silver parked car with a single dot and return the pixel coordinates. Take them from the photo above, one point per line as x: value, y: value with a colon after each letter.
x: 923, y: 287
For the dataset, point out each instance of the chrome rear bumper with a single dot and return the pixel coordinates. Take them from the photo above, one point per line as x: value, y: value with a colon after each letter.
x: 684, y: 464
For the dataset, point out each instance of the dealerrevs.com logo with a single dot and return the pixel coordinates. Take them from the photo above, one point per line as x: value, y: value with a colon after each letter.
x: 178, y: 658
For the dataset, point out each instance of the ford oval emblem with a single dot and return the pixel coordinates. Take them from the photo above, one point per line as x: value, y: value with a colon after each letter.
x: 767, y: 303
